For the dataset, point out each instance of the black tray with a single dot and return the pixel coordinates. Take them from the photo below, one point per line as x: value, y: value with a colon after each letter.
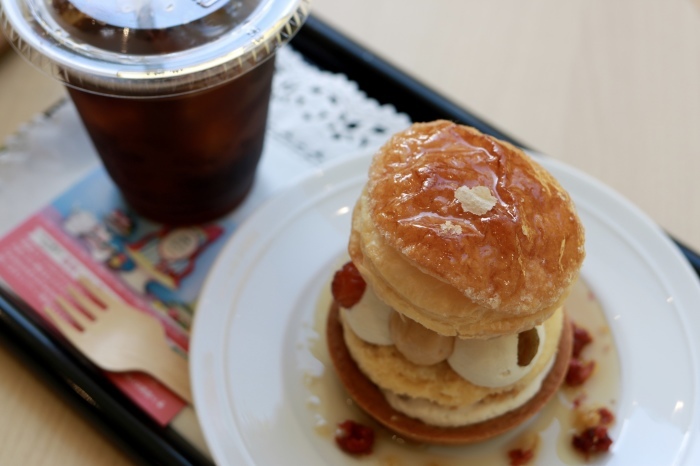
x: 88, y: 390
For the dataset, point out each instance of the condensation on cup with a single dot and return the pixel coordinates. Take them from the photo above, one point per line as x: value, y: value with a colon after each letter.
x: 173, y: 93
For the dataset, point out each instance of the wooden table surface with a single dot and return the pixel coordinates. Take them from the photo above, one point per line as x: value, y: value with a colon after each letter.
x: 612, y: 88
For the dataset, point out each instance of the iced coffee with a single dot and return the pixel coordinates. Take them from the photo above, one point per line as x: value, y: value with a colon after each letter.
x: 174, y: 95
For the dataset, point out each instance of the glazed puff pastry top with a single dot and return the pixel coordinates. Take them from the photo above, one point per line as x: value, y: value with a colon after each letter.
x: 465, y: 234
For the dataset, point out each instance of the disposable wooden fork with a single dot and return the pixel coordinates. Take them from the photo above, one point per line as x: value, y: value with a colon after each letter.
x: 119, y: 338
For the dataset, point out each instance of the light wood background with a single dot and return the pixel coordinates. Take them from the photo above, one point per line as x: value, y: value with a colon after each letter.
x: 611, y: 87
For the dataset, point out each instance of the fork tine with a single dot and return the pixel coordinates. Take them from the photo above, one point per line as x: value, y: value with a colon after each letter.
x: 77, y: 316
x: 59, y: 322
x: 96, y: 291
x: 86, y: 303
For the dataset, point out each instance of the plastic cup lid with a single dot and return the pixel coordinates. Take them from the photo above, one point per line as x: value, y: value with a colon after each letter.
x: 142, y: 48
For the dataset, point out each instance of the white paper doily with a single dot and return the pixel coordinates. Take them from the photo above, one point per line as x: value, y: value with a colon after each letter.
x: 324, y: 115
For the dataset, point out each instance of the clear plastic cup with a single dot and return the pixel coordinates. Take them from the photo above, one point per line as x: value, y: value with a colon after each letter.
x: 173, y: 93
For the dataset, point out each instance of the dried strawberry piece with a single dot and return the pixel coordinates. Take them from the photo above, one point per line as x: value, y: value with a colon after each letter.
x: 348, y: 286
x: 582, y: 338
x: 519, y: 457
x: 354, y: 438
x: 592, y: 440
x: 579, y: 372
x: 606, y: 416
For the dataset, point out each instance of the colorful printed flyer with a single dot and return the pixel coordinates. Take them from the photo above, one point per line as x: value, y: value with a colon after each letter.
x: 89, y: 232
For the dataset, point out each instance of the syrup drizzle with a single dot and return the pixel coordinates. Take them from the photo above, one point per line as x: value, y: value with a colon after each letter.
x: 548, y: 434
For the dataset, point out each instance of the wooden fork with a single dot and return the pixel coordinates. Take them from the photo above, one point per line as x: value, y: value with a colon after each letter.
x: 120, y: 338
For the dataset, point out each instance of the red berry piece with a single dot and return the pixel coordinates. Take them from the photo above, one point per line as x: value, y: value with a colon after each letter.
x: 592, y: 440
x: 579, y: 372
x: 606, y: 416
x: 348, y: 286
x: 520, y: 457
x: 582, y: 338
x: 354, y: 438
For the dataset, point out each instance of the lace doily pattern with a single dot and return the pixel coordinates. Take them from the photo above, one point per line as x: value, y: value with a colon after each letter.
x: 324, y: 115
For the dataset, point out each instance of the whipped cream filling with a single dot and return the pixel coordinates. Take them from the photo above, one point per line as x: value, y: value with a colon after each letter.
x: 489, y: 363
x: 456, y: 416
x: 369, y: 319
x: 492, y: 363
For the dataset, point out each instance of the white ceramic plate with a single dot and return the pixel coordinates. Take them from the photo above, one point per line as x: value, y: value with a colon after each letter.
x: 248, y: 356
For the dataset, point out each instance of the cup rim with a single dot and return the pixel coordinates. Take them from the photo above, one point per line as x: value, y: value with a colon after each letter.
x: 109, y: 73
